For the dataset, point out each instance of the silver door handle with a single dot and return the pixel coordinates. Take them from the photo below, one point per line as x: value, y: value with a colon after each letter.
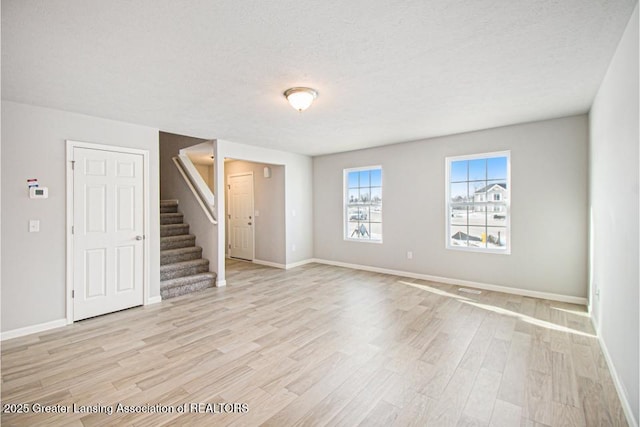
x: 139, y: 237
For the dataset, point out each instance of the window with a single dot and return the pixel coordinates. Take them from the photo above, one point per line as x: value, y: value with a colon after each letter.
x: 478, y: 194
x: 363, y: 204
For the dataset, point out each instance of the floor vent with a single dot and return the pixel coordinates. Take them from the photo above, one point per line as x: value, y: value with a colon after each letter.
x: 470, y: 291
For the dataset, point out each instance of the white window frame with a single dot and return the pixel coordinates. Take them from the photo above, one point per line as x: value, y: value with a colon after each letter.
x: 345, y: 206
x: 451, y: 159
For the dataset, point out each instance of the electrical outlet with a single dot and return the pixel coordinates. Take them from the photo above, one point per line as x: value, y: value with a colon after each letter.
x: 409, y: 255
x: 34, y: 226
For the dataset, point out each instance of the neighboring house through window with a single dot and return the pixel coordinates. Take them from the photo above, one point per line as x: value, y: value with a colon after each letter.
x: 363, y: 204
x: 478, y: 196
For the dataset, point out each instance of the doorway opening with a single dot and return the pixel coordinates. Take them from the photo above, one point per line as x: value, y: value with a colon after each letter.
x: 255, y: 212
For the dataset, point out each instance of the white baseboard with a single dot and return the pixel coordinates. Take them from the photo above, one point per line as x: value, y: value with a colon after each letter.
x: 299, y: 263
x: 283, y: 266
x: 269, y: 263
x: 221, y: 283
x: 459, y: 282
x: 154, y: 300
x: 28, y: 330
x: 622, y: 395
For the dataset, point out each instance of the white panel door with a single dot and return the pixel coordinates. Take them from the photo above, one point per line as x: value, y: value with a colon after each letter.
x: 108, y: 222
x: 241, y: 216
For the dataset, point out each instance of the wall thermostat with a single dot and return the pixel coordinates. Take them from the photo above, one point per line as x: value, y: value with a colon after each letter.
x: 38, y: 193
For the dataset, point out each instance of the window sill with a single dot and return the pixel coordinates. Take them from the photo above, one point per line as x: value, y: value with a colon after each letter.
x: 480, y: 250
x: 379, y: 242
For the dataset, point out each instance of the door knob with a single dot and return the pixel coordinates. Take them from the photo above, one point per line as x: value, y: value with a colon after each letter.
x: 249, y: 223
x: 139, y: 237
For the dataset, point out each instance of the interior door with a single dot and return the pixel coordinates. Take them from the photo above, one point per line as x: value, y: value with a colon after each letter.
x: 108, y: 223
x: 241, y: 221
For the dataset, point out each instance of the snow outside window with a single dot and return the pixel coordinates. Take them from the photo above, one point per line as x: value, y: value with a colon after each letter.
x: 363, y: 204
x: 477, y: 198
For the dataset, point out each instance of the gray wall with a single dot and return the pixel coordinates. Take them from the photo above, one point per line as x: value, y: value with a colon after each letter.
x: 206, y: 172
x: 548, y: 208
x: 270, y: 236
x: 33, y: 142
x: 170, y: 146
x: 614, y: 200
x: 173, y: 186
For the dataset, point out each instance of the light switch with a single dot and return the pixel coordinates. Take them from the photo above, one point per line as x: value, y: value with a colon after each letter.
x: 257, y: 213
x: 34, y: 225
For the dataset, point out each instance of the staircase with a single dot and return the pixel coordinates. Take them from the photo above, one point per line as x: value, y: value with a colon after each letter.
x: 182, y: 268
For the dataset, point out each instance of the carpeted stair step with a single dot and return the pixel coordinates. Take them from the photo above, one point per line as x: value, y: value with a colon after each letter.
x: 184, y: 285
x: 171, y: 256
x: 173, y: 229
x: 175, y: 242
x: 183, y: 268
x: 168, y: 209
x: 171, y: 218
x: 168, y: 206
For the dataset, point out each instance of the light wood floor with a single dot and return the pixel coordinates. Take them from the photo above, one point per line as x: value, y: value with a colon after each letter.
x: 321, y: 345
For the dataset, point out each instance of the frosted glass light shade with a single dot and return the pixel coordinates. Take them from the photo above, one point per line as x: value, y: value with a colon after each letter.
x: 300, y: 98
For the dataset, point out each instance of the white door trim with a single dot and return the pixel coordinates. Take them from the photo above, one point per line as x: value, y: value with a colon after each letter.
x: 69, y: 223
x: 253, y: 206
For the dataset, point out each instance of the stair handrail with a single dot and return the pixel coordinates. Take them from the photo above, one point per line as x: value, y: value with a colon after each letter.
x: 196, y: 184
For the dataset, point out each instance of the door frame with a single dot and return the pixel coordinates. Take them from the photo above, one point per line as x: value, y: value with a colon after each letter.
x: 71, y: 144
x: 253, y: 209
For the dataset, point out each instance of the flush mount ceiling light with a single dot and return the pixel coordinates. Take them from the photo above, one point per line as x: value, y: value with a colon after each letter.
x: 300, y: 98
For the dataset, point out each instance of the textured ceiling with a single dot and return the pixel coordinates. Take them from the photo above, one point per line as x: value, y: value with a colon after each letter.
x: 386, y: 71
